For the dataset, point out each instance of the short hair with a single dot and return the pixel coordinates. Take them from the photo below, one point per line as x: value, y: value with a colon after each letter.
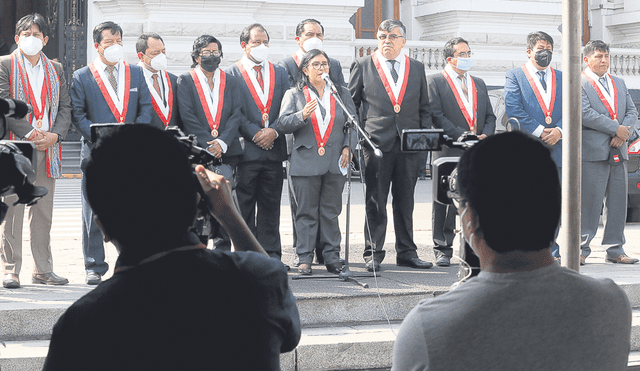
x: 245, y: 35
x: 389, y: 24
x: 534, y: 37
x: 143, y: 197
x: 449, y: 47
x: 303, y: 80
x: 593, y: 46
x: 201, y: 43
x: 108, y: 25
x: 300, y: 26
x: 26, y: 22
x: 511, y: 182
x: 143, y: 42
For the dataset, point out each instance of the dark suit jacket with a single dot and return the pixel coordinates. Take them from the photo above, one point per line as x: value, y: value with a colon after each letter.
x: 521, y: 103
x: 598, y: 128
x: 305, y: 160
x: 251, y: 118
x: 335, y: 71
x: 195, y: 121
x: 90, y: 106
x: 175, y: 115
x: 21, y: 127
x: 446, y: 113
x: 378, y: 116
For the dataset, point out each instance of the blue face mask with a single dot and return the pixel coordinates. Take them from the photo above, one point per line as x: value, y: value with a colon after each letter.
x: 464, y: 63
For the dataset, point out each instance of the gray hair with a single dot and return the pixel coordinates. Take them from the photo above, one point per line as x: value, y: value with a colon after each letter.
x: 389, y: 24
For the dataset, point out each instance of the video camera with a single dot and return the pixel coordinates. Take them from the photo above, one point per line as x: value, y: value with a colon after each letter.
x: 444, y: 172
x: 17, y: 161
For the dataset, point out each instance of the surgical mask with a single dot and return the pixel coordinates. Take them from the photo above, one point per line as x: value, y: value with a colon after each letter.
x: 312, y: 43
x: 260, y: 53
x: 209, y: 63
x: 543, y: 57
x: 30, y: 45
x: 113, y: 54
x: 464, y: 63
x: 159, y: 62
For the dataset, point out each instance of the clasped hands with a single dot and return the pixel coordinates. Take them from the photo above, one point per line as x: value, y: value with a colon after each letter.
x: 43, y: 139
x: 622, y: 134
x: 551, y: 136
x: 265, y: 138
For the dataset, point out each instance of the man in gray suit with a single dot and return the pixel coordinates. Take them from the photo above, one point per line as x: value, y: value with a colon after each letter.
x: 607, y: 115
x: 459, y: 102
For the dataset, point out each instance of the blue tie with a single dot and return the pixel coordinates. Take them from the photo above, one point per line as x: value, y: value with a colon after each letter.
x: 603, y: 81
x: 543, y: 82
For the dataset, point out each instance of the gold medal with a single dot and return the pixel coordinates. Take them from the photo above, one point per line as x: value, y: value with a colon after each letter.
x: 214, y: 133
x: 321, y: 151
x: 39, y: 123
x: 265, y: 117
x: 548, y: 120
x: 615, y: 117
x: 396, y: 108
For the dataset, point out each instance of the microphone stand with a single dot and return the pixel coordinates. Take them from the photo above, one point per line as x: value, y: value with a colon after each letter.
x: 345, y: 274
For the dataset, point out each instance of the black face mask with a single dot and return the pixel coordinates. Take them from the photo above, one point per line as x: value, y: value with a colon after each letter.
x: 209, y: 63
x: 543, y: 57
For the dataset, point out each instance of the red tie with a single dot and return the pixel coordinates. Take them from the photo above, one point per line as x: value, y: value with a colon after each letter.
x: 259, y: 76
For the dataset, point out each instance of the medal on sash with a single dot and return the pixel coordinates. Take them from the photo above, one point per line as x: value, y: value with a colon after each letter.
x: 397, y: 103
x: 120, y: 116
x: 320, y: 139
x: 263, y: 108
x: 38, y: 111
x: 613, y: 112
x: 213, y: 124
x: 474, y: 96
x: 156, y: 105
x: 546, y: 110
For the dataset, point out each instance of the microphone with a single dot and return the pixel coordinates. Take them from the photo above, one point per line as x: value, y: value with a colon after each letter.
x: 327, y: 79
x: 14, y: 108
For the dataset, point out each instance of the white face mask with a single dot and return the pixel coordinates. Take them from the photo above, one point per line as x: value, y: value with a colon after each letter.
x: 260, y: 53
x: 30, y: 45
x: 312, y: 43
x: 464, y: 63
x: 159, y: 62
x: 113, y: 54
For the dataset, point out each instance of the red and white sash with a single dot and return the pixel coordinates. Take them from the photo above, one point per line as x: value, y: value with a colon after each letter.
x: 156, y: 101
x: 264, y: 109
x: 613, y: 112
x: 296, y: 59
x: 474, y: 96
x: 395, y: 101
x: 211, y: 109
x: 316, y: 117
x: 548, y: 111
x: 119, y: 115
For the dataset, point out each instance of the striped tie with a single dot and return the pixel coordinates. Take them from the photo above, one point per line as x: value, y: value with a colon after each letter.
x: 605, y: 85
x: 392, y: 69
x: 112, y: 78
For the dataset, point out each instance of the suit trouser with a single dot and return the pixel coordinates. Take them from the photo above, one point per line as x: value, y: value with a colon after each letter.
x: 40, y: 218
x: 92, y: 240
x: 259, y: 185
x: 602, y: 182
x: 443, y: 223
x: 397, y: 171
x: 319, y: 205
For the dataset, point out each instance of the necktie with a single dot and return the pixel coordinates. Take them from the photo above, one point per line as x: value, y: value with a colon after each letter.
x: 543, y: 81
x: 259, y: 76
x: 156, y: 85
x: 464, y: 86
x: 605, y: 85
x: 392, y: 69
x: 112, y: 78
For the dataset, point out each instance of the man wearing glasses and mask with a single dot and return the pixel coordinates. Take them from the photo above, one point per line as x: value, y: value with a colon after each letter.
x: 162, y: 84
x: 108, y: 90
x: 390, y: 90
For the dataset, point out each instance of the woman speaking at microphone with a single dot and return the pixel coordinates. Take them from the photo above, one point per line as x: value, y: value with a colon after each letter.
x: 319, y: 159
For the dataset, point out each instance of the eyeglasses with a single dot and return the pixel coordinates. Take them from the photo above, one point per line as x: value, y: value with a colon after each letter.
x: 208, y: 53
x: 457, y: 200
x: 390, y: 36
x: 320, y: 65
x: 464, y: 55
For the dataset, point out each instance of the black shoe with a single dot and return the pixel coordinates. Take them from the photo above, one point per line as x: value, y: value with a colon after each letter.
x: 372, y: 265
x: 416, y: 263
x: 443, y: 261
x: 93, y: 278
x: 49, y: 279
x: 334, y: 268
